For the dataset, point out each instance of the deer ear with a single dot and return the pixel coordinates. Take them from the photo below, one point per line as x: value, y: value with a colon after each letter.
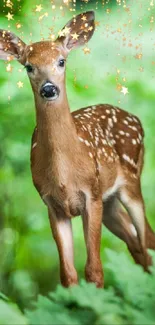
x: 77, y: 31
x: 11, y: 45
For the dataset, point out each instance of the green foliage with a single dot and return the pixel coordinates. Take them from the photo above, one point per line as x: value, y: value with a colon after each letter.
x: 128, y: 299
x: 10, y: 313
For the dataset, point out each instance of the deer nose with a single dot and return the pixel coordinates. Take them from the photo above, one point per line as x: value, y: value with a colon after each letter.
x: 49, y: 91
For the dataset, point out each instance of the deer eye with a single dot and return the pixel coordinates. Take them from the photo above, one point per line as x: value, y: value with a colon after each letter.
x: 29, y: 68
x: 61, y: 63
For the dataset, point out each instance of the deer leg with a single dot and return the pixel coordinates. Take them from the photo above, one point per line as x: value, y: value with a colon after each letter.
x: 92, y: 224
x: 62, y: 233
x: 132, y: 200
x: 120, y: 224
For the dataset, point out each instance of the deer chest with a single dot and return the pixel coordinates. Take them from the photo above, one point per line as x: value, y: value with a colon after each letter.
x: 59, y: 186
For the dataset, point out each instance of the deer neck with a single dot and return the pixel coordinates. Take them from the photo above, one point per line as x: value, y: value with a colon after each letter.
x: 55, y: 127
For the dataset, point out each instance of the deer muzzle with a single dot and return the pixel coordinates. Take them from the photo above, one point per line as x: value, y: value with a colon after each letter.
x: 49, y: 91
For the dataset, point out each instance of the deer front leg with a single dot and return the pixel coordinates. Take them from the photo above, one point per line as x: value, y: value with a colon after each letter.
x: 62, y: 233
x: 92, y: 224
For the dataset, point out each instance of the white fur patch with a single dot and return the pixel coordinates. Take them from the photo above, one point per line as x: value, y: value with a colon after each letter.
x: 112, y: 190
x: 133, y: 230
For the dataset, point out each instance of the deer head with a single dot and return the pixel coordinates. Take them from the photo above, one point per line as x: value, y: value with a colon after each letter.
x: 45, y: 61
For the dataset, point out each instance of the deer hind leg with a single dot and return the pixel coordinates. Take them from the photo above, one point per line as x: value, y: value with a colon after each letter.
x: 120, y: 224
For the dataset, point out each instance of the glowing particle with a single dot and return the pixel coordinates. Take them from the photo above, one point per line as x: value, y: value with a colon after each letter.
x: 66, y: 30
x: 9, y: 4
x: 75, y: 36
x: 86, y: 50
x: 124, y: 90
x: 18, y: 25
x: 84, y: 18
x: 38, y: 8
x: 61, y: 33
x: 97, y: 23
x: 20, y: 84
x: 139, y: 56
x: 9, y: 16
x: 9, y: 68
x: 52, y: 37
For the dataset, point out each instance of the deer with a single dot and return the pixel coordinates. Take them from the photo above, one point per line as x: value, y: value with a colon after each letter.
x: 88, y: 162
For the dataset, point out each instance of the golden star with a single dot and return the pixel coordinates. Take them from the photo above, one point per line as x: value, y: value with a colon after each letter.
x: 86, y: 50
x: 90, y: 28
x: 9, y: 16
x: 9, y: 4
x: 61, y: 33
x: 38, y: 8
x: 52, y: 37
x: 119, y: 87
x: 139, y: 56
x: 124, y: 90
x: 20, y: 84
x: 84, y: 18
x: 75, y: 36
x: 9, y: 68
x: 97, y: 23
x: 66, y: 30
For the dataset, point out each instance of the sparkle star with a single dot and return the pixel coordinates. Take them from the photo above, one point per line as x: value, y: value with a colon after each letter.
x: 9, y: 16
x: 75, y: 36
x: 66, y: 30
x: 9, y: 68
x: 61, y: 33
x: 52, y: 37
x: 9, y: 4
x: 97, y: 23
x: 124, y: 90
x: 20, y: 84
x: 84, y: 18
x: 38, y: 8
x: 86, y: 50
x: 139, y: 56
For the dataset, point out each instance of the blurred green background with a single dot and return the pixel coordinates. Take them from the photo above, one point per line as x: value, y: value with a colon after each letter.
x: 122, y: 53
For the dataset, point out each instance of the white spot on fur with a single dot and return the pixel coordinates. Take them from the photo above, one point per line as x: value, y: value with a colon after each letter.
x: 91, y: 155
x: 129, y: 160
x: 87, y: 143
x: 121, y: 132
x: 82, y: 140
x: 134, y: 141
x: 34, y: 145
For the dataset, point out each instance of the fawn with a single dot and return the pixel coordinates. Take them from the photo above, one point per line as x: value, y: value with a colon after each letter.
x: 86, y: 163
